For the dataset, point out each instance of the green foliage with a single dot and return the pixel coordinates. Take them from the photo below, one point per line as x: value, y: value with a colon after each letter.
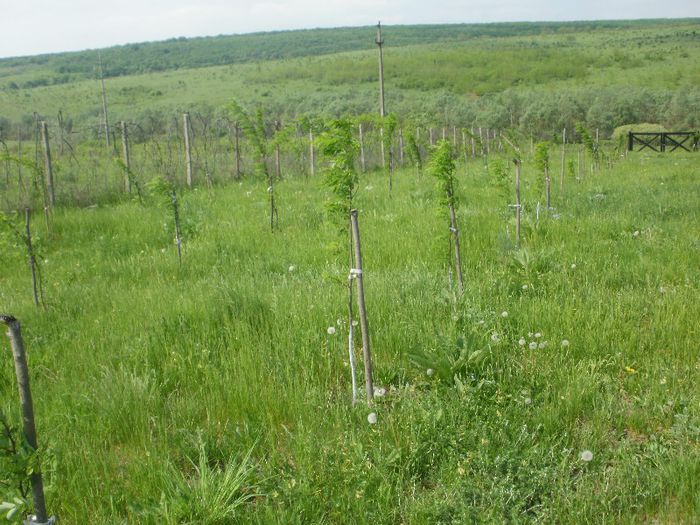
x: 590, y: 145
x: 212, y: 495
x: 339, y: 147
x: 413, y: 150
x: 441, y: 165
x: 541, y: 161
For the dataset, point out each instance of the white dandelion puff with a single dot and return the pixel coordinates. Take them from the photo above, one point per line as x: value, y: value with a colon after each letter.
x: 532, y: 345
x: 372, y: 418
x: 331, y: 330
x: 542, y: 345
x: 494, y: 337
x: 573, y: 266
x: 564, y: 343
x: 504, y: 314
x: 379, y: 391
x: 429, y: 372
x: 538, y: 335
x: 586, y: 455
x: 522, y: 341
x: 291, y: 268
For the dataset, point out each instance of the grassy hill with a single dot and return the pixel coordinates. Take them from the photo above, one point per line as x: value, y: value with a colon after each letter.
x: 540, y: 77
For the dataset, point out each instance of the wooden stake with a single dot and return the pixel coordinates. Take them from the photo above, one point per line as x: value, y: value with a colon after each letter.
x: 47, y: 163
x: 312, y: 154
x: 278, y: 165
x: 104, y: 101
x: 357, y: 272
x: 30, y: 256
x: 380, y: 42
x: 517, y: 202
x: 563, y: 160
x: 25, y: 397
x: 458, y: 253
x: 125, y: 154
x: 237, y: 144
x: 188, y: 147
x: 363, y: 165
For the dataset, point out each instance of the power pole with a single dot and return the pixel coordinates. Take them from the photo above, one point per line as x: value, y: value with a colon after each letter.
x: 104, y: 100
x: 380, y: 42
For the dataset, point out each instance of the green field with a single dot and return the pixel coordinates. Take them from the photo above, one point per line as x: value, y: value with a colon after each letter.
x: 560, y: 387
x: 154, y: 382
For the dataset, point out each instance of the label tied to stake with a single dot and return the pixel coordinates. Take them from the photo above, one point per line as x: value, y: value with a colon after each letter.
x: 355, y: 271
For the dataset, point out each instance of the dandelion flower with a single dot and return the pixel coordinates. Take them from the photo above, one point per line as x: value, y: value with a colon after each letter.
x: 504, y: 314
x: 372, y: 418
x: 586, y: 455
x: 564, y: 343
x: 532, y: 345
x: 331, y: 330
x: 630, y: 370
x: 522, y: 341
x: 429, y: 372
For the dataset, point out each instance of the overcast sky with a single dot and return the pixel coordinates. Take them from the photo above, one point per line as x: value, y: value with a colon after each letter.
x: 47, y: 26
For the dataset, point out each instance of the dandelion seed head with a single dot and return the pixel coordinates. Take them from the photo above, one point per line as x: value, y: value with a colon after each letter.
x: 504, y: 314
x: 586, y: 455
x: 379, y: 391
x: 429, y: 372
x: 564, y: 343
x: 573, y: 266
x: 372, y: 418
x: 355, y: 323
x: 636, y: 233
x: 538, y: 335
x: 528, y: 401
x: 542, y: 345
x: 525, y: 287
x: 522, y: 341
x: 494, y: 337
x: 532, y: 345
x: 331, y: 330
x: 292, y: 268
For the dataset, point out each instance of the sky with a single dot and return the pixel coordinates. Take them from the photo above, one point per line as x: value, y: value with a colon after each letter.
x: 49, y: 26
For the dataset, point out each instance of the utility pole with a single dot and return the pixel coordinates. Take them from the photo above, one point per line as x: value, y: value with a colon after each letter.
x: 380, y: 42
x: 104, y: 100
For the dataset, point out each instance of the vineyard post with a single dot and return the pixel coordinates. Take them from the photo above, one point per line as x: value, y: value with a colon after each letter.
x: 278, y: 166
x: 29, y: 428
x: 104, y: 101
x: 125, y: 153
x: 444, y: 133
x: 488, y: 143
x: 464, y: 147
x: 381, y: 143
x: 30, y: 255
x: 357, y: 272
x: 176, y: 217
x: 432, y: 137
x: 517, y: 202
x: 47, y: 163
x: 563, y: 159
x: 400, y: 147
x: 188, y: 147
x: 380, y: 42
x: 363, y: 165
x: 237, y: 145
x: 454, y: 137
x: 312, y: 154
x: 473, y: 143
